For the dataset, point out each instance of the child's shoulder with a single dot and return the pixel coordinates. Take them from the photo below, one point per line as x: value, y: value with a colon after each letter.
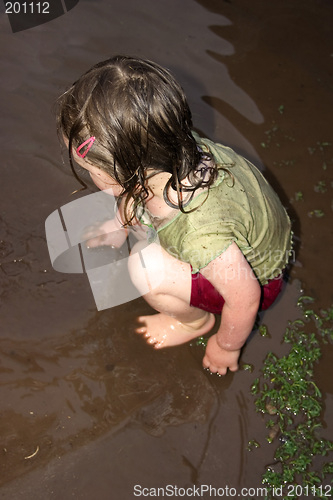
x: 221, y: 154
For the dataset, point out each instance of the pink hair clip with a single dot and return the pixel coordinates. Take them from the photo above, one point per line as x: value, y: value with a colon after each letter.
x: 90, y: 142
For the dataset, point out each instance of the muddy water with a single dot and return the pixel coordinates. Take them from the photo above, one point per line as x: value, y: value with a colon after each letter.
x: 88, y: 410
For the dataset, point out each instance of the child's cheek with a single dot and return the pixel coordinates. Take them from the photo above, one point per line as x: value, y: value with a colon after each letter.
x: 115, y: 188
x: 98, y: 182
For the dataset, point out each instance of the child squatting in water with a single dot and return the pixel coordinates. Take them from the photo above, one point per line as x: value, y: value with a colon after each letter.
x: 224, y: 234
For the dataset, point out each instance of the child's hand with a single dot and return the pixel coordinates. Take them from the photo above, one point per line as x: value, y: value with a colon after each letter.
x: 108, y: 233
x: 218, y: 360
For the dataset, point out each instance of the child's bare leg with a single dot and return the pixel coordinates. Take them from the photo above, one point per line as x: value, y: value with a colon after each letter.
x: 169, y: 282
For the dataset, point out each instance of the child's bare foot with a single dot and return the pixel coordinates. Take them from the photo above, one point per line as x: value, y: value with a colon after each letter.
x: 162, y: 330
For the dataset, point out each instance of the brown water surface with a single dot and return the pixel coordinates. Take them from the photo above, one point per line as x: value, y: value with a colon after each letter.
x: 87, y: 409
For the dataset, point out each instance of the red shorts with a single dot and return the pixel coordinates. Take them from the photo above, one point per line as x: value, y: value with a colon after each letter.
x: 206, y: 297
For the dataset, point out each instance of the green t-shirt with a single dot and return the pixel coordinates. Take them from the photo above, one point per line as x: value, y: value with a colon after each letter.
x: 241, y: 208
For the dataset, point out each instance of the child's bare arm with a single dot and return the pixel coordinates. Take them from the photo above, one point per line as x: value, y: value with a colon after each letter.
x: 233, y: 277
x: 112, y: 232
x: 107, y: 233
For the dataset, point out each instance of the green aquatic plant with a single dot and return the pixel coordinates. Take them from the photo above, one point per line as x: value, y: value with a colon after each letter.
x: 263, y: 330
x: 287, y: 393
x: 320, y: 146
x: 247, y: 367
x: 316, y: 213
x: 275, y: 133
x: 201, y: 341
x: 320, y: 187
x: 252, y: 445
x: 284, y: 163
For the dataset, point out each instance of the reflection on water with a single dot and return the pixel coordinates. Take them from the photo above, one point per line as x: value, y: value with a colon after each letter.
x: 62, y: 392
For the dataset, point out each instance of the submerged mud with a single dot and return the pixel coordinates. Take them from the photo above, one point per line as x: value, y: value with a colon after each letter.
x: 87, y: 408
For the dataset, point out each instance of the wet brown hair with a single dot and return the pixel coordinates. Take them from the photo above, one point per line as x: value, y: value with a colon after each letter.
x: 142, y: 123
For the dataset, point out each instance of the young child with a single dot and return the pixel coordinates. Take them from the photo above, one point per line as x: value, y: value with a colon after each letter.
x: 225, y: 236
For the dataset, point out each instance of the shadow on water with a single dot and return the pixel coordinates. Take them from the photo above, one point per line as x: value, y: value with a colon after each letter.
x: 87, y: 408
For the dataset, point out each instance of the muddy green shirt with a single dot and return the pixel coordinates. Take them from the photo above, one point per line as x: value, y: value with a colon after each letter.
x: 241, y: 208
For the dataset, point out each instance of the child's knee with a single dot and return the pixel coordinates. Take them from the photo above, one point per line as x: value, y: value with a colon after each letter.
x: 135, y: 267
x: 146, y: 265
